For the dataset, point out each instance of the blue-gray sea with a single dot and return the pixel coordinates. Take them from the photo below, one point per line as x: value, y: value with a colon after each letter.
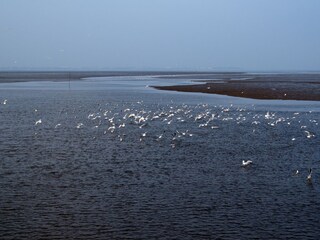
x: 111, y: 158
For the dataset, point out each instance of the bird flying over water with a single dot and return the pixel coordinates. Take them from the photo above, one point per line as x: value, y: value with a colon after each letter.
x: 38, y: 122
x: 309, y: 177
x: 309, y: 134
x: 246, y: 163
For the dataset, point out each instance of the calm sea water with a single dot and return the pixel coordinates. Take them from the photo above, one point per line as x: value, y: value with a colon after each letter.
x: 113, y: 159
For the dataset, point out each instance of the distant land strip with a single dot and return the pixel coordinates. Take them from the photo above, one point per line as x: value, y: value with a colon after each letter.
x: 25, y: 76
x: 277, y: 86
x: 256, y: 89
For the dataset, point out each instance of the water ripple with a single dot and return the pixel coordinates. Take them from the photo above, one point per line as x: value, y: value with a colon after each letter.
x: 116, y: 178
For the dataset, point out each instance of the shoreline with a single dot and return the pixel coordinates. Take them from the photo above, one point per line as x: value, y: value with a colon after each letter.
x: 288, y: 86
x: 26, y: 76
x: 303, y: 91
x: 292, y: 86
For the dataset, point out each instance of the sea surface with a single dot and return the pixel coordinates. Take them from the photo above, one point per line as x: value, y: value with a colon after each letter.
x: 112, y: 158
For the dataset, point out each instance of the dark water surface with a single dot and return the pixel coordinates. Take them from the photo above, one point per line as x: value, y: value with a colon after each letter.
x: 111, y: 159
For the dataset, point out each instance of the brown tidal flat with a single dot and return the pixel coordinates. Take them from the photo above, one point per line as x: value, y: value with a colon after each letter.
x: 287, y: 89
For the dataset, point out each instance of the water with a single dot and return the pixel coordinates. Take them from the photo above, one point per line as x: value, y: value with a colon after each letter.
x: 112, y: 159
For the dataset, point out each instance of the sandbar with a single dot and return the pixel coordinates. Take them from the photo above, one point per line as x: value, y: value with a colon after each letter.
x: 267, y: 86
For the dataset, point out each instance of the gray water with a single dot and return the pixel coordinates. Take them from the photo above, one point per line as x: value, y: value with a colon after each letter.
x: 114, y: 159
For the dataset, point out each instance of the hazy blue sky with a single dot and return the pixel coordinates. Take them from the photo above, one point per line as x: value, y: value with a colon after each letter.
x: 260, y: 35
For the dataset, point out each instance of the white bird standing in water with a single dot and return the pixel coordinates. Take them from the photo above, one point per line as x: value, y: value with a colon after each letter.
x: 246, y: 163
x: 309, y: 177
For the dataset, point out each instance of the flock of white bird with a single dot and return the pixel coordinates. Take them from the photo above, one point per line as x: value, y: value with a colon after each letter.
x: 203, y: 116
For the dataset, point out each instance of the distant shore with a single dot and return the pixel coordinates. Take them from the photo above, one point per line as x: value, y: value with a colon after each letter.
x: 257, y: 86
x: 265, y: 86
x: 27, y: 76
x: 258, y: 91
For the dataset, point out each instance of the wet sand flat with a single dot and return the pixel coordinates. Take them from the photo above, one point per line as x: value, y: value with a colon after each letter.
x: 277, y: 87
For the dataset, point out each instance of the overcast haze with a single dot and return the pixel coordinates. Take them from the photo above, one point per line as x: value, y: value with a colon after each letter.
x: 266, y: 35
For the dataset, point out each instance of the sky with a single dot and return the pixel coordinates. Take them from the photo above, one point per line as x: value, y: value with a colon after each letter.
x: 204, y: 35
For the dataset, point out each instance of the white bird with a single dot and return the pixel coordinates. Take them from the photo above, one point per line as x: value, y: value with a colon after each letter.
x: 38, y: 122
x: 309, y: 134
x: 154, y: 117
x: 5, y: 102
x: 80, y: 125
x: 111, y: 129
x: 309, y: 177
x: 246, y: 163
x: 267, y: 115
x: 141, y: 120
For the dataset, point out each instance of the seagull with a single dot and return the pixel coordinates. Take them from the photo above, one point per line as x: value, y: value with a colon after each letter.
x: 143, y: 135
x: 38, y: 122
x: 80, y: 125
x: 309, y: 177
x: 246, y: 163
x: 111, y: 129
x: 309, y: 134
